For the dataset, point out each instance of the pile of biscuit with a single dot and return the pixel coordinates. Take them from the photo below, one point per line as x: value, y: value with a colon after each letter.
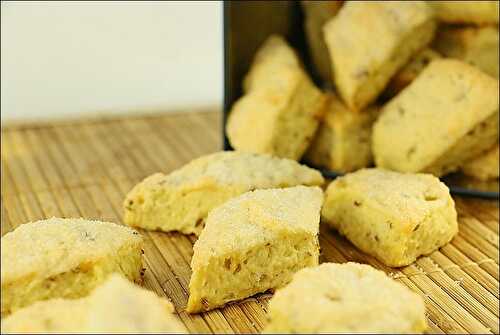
x: 257, y: 218
x: 257, y: 212
x: 408, y: 86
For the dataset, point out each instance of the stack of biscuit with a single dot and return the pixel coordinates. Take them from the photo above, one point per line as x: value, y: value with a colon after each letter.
x: 409, y: 86
x: 78, y: 276
x: 257, y: 217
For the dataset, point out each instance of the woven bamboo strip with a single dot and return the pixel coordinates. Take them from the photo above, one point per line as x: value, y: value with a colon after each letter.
x: 15, y: 212
x: 460, y: 277
x: 14, y: 157
x: 6, y: 224
x: 484, y: 214
x: 476, y: 255
x: 472, y: 268
x: 455, y: 290
x: 6, y: 185
x: 487, y: 209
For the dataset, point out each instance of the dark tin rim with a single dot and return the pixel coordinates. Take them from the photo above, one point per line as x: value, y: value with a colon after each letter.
x: 227, y: 75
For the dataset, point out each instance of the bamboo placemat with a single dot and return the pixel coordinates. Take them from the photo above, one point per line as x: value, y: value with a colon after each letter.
x: 85, y: 168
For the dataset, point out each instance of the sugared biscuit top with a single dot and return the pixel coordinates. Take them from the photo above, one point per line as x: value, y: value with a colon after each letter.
x: 446, y: 101
x: 405, y: 195
x: 259, y: 216
x: 56, y: 245
x: 369, y: 41
x: 247, y: 170
x: 274, y: 61
x: 346, y: 298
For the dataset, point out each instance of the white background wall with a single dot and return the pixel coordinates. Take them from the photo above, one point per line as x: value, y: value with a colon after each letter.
x: 68, y: 59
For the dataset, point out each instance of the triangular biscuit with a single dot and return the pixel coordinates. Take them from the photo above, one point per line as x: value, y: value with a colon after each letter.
x: 181, y: 200
x: 65, y: 258
x: 280, y: 109
x: 254, y: 243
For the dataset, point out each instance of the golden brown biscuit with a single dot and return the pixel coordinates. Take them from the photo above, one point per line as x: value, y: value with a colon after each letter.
x: 345, y: 298
x: 65, y: 258
x: 477, y: 46
x: 393, y: 216
x: 369, y: 41
x: 484, y: 166
x: 182, y: 200
x: 281, y: 108
x: 254, y: 243
x: 478, y: 12
x: 446, y: 116
x: 410, y: 71
x: 343, y: 140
